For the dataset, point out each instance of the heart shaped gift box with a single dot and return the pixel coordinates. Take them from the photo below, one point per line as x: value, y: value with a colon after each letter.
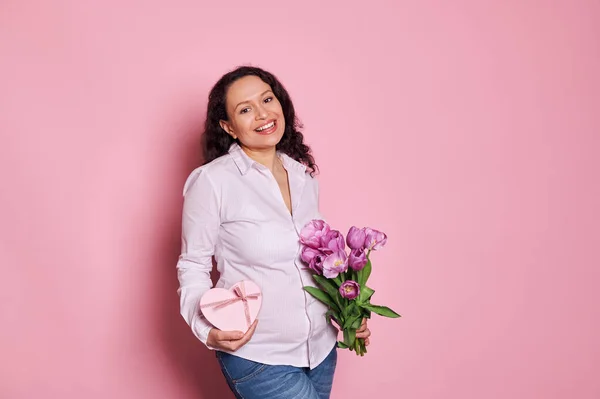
x: 233, y: 309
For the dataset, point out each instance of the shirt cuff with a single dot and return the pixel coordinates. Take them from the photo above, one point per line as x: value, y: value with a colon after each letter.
x: 202, y: 328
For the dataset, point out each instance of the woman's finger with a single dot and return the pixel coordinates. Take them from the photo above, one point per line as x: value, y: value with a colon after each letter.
x: 229, y: 335
x: 363, y: 326
x: 364, y: 334
x: 238, y: 344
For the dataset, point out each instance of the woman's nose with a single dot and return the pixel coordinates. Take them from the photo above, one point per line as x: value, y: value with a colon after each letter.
x: 261, y: 113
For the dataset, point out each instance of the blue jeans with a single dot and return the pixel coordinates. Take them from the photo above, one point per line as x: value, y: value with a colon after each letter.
x: 252, y: 380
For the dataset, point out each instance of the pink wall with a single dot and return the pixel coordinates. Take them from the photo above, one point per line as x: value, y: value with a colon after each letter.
x: 468, y: 132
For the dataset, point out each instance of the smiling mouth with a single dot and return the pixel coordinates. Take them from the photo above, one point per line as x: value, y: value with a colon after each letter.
x: 267, y: 128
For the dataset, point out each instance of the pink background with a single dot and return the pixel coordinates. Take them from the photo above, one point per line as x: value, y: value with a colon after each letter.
x: 470, y: 133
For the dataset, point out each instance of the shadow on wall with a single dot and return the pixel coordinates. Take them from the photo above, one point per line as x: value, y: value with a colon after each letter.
x: 195, y: 367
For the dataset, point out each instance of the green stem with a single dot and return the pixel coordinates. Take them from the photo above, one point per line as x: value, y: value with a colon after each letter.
x: 359, y: 347
x: 338, y: 280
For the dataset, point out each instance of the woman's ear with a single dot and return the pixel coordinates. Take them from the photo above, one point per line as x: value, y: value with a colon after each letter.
x: 228, y: 129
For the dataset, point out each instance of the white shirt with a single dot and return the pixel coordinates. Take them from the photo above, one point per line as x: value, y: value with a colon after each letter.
x: 233, y: 209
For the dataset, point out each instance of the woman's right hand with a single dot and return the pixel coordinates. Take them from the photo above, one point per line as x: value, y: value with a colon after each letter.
x: 229, y: 340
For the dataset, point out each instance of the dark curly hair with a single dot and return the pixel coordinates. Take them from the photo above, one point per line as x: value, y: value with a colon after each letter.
x: 216, y: 142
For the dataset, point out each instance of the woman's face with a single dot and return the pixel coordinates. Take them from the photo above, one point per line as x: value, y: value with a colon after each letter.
x: 255, y: 114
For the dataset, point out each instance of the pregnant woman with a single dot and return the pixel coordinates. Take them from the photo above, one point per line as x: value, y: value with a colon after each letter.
x: 246, y: 206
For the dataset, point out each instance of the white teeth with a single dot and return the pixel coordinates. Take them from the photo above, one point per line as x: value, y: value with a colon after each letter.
x: 267, y: 126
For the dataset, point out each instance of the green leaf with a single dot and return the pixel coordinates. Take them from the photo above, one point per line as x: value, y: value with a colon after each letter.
x: 351, y: 320
x: 331, y: 313
x: 365, y: 294
x: 327, y: 284
x: 351, y: 309
x: 364, y: 273
x: 381, y: 310
x: 351, y: 312
x: 349, y: 336
x: 344, y: 313
x: 330, y: 288
x: 342, y: 345
x: 321, y: 296
x: 328, y: 315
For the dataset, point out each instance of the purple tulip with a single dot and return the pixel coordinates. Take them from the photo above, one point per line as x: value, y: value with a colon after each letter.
x: 312, y: 233
x: 316, y: 263
x: 309, y: 253
x: 350, y: 289
x: 314, y: 258
x: 335, y: 264
x: 356, y: 238
x: 375, y: 239
x: 357, y: 259
x: 331, y: 242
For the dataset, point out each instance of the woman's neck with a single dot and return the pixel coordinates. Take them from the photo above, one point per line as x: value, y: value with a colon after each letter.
x: 266, y: 157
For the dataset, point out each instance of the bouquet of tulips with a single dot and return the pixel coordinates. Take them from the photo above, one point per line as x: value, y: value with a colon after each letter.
x: 342, y: 278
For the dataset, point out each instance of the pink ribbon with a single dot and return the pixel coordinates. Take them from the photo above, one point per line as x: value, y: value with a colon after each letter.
x: 240, y: 291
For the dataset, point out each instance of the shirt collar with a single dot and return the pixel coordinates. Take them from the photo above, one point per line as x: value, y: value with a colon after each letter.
x: 244, y: 162
x: 241, y: 159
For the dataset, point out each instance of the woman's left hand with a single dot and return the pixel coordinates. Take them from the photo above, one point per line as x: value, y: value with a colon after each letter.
x: 364, y: 332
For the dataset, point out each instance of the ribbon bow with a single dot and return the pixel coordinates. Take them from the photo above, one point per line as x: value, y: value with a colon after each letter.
x: 240, y: 292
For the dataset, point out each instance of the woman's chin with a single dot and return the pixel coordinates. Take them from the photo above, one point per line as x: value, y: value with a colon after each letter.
x: 269, y: 140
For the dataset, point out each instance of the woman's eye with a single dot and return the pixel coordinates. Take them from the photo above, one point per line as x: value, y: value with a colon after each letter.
x: 243, y: 111
x: 268, y: 99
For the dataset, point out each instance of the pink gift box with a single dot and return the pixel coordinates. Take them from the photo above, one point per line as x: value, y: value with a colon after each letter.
x: 233, y: 309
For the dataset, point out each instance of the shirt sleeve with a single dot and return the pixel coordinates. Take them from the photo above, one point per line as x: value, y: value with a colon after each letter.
x: 200, y: 229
